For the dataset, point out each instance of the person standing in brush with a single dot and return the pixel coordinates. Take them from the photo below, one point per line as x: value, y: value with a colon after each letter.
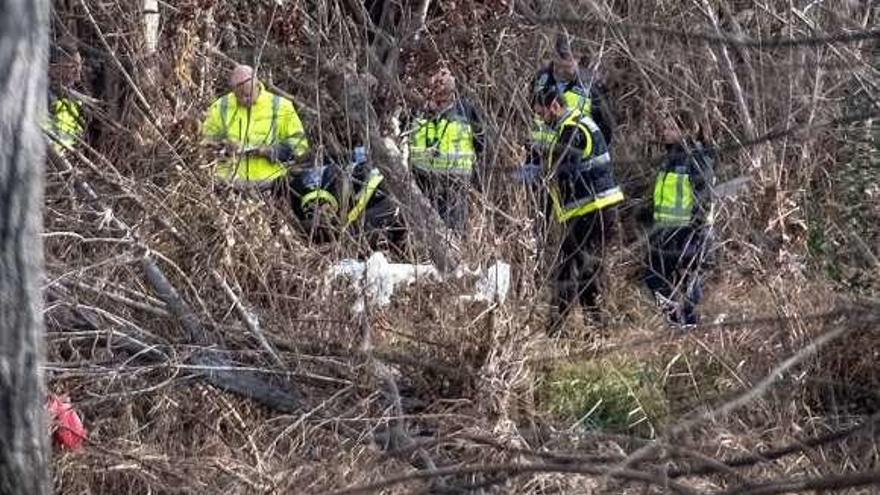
x: 583, y: 195
x: 444, y: 146
x: 257, y: 135
x: 580, y: 90
x: 680, y: 237
x: 257, y: 131
x: 66, y: 124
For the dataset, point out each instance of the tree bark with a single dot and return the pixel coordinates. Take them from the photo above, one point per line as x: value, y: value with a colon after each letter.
x: 23, y: 431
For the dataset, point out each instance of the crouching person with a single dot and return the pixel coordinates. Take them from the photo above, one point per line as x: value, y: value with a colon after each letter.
x: 313, y: 195
x: 373, y: 214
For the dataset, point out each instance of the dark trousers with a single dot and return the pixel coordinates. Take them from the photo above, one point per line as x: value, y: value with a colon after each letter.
x: 676, y: 260
x: 382, y: 226
x: 578, y: 268
x: 317, y: 220
x: 448, y: 194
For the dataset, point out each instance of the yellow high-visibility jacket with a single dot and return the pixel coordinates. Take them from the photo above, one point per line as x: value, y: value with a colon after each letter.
x: 65, y: 126
x: 682, y: 190
x: 446, y: 142
x: 270, y: 121
x: 579, y: 166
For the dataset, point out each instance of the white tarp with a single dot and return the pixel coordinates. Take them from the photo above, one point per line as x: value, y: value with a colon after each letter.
x: 493, y: 285
x: 378, y: 279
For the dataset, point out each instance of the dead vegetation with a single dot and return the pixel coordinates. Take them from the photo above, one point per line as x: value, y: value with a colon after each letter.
x: 776, y: 393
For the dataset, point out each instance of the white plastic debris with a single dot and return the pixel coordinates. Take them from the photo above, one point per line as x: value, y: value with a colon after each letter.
x: 378, y: 279
x: 493, y: 285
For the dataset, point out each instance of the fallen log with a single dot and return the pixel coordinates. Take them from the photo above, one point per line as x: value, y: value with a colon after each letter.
x: 217, y: 371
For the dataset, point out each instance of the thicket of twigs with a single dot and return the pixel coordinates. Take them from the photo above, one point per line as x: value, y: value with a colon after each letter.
x: 168, y: 303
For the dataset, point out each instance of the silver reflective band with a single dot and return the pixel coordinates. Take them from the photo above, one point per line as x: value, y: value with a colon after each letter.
x: 603, y: 159
x: 250, y: 185
x: 450, y: 170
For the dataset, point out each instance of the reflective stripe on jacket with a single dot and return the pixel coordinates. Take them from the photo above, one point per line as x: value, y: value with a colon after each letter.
x: 314, y: 185
x: 65, y: 126
x: 443, y: 144
x: 271, y: 120
x: 364, y: 196
x: 673, y: 199
x: 321, y: 196
x: 588, y: 185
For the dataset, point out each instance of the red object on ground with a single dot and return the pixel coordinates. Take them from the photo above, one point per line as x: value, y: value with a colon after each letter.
x: 67, y: 428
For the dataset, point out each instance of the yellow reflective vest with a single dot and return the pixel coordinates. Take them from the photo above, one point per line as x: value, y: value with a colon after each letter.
x: 588, y: 185
x: 65, y: 125
x: 270, y: 121
x: 673, y: 198
x: 676, y: 189
x: 444, y: 143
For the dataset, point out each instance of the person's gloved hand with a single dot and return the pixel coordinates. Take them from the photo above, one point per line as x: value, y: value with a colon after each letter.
x: 223, y: 149
x: 359, y: 155
x: 267, y: 152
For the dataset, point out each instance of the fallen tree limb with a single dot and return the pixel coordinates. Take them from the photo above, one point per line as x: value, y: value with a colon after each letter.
x: 829, y: 482
x: 250, y: 321
x: 421, y: 218
x: 779, y: 452
x: 245, y: 383
x: 513, y: 470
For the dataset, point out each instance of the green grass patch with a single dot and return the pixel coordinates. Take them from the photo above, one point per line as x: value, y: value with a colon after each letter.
x: 618, y: 395
x: 695, y: 378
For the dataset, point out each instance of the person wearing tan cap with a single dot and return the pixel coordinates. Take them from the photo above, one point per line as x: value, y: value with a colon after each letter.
x: 260, y: 132
x: 444, y: 147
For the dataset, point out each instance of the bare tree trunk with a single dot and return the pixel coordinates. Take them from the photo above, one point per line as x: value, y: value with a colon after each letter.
x: 151, y: 25
x: 23, y: 432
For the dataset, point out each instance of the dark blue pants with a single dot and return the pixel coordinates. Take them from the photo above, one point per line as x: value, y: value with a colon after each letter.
x: 448, y: 194
x: 578, y: 269
x: 676, y: 262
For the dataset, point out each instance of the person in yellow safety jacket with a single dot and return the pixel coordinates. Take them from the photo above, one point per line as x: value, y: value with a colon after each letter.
x: 65, y: 127
x: 579, y: 89
x: 444, y: 146
x: 256, y: 132
x: 66, y: 123
x: 583, y: 195
x: 680, y: 238
x: 373, y: 212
